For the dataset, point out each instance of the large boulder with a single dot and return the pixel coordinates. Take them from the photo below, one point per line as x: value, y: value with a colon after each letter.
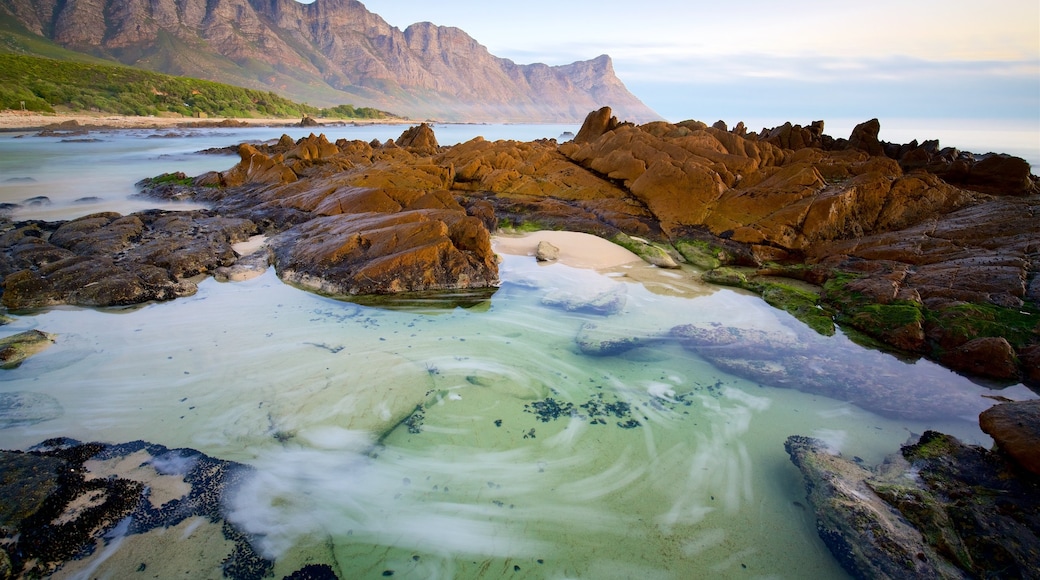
x: 596, y: 124
x: 1016, y: 429
x: 383, y: 253
x: 420, y: 139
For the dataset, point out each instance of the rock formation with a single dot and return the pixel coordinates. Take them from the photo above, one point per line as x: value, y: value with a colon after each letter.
x: 328, y: 53
x: 63, y: 498
x: 107, y: 259
x: 940, y: 509
x: 897, y: 253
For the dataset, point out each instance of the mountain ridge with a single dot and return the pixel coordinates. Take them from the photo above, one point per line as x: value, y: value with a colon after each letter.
x: 330, y: 52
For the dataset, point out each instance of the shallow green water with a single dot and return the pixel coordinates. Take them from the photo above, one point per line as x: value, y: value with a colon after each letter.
x: 651, y: 464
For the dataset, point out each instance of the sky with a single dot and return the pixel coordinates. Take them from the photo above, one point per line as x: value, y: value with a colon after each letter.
x: 770, y: 61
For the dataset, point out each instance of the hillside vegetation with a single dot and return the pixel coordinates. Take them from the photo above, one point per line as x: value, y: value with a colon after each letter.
x: 41, y: 84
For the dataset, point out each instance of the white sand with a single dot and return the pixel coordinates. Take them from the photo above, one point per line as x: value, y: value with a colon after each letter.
x: 250, y: 246
x: 576, y: 249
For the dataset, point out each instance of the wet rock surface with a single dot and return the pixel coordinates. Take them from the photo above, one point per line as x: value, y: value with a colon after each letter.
x: 869, y: 537
x: 111, y: 260
x: 15, y: 349
x: 940, y: 510
x: 63, y: 501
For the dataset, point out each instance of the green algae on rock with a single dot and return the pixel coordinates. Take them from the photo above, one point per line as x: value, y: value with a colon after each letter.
x: 15, y: 349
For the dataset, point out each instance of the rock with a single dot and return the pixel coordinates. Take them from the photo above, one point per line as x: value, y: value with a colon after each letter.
x: 546, y: 252
x: 606, y: 303
x: 999, y: 174
x: 308, y: 121
x: 990, y: 356
x: 14, y: 350
x: 1030, y: 359
x: 245, y: 268
x: 44, y: 524
x: 865, y: 137
x: 111, y: 260
x: 256, y: 168
x: 410, y: 251
x: 1016, y: 429
x: 650, y: 253
x: 419, y: 139
x: 976, y: 507
x: 593, y: 340
x: 311, y: 148
x: 868, y: 536
x: 805, y: 361
x: 596, y: 124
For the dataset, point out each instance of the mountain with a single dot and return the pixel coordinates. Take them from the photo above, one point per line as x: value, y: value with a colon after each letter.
x: 326, y: 53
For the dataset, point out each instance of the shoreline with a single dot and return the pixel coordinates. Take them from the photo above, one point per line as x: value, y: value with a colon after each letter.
x: 578, y: 250
x: 13, y: 121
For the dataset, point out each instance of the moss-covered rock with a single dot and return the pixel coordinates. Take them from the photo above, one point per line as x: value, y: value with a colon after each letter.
x: 801, y: 300
x: 14, y: 350
x: 650, y: 252
x: 701, y: 254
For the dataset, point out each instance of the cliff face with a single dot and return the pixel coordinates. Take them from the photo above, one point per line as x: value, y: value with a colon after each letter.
x: 330, y: 52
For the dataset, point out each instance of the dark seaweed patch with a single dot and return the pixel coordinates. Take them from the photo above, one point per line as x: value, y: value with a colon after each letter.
x: 414, y: 422
x: 549, y: 409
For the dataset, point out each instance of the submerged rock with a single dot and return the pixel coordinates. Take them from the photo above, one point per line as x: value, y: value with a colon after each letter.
x: 868, y: 536
x: 606, y: 303
x: 949, y: 510
x: 19, y: 408
x: 15, y: 349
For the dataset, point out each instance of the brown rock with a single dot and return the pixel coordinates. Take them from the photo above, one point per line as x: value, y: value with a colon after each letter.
x: 409, y: 251
x: 1000, y: 174
x: 596, y: 124
x: 1016, y: 429
x: 865, y: 137
x: 256, y: 168
x: 312, y: 148
x: 1030, y: 359
x: 419, y: 139
x: 985, y: 357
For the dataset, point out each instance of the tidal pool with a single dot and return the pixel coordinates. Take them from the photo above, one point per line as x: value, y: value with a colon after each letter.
x: 465, y: 443
x: 420, y: 441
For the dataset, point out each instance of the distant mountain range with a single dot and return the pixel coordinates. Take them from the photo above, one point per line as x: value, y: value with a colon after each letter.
x: 326, y: 53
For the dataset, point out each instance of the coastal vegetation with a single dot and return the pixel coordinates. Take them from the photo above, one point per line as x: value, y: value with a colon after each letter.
x: 46, y: 85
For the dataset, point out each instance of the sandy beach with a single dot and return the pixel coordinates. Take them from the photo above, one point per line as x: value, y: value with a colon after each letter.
x: 576, y: 249
x: 29, y: 121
